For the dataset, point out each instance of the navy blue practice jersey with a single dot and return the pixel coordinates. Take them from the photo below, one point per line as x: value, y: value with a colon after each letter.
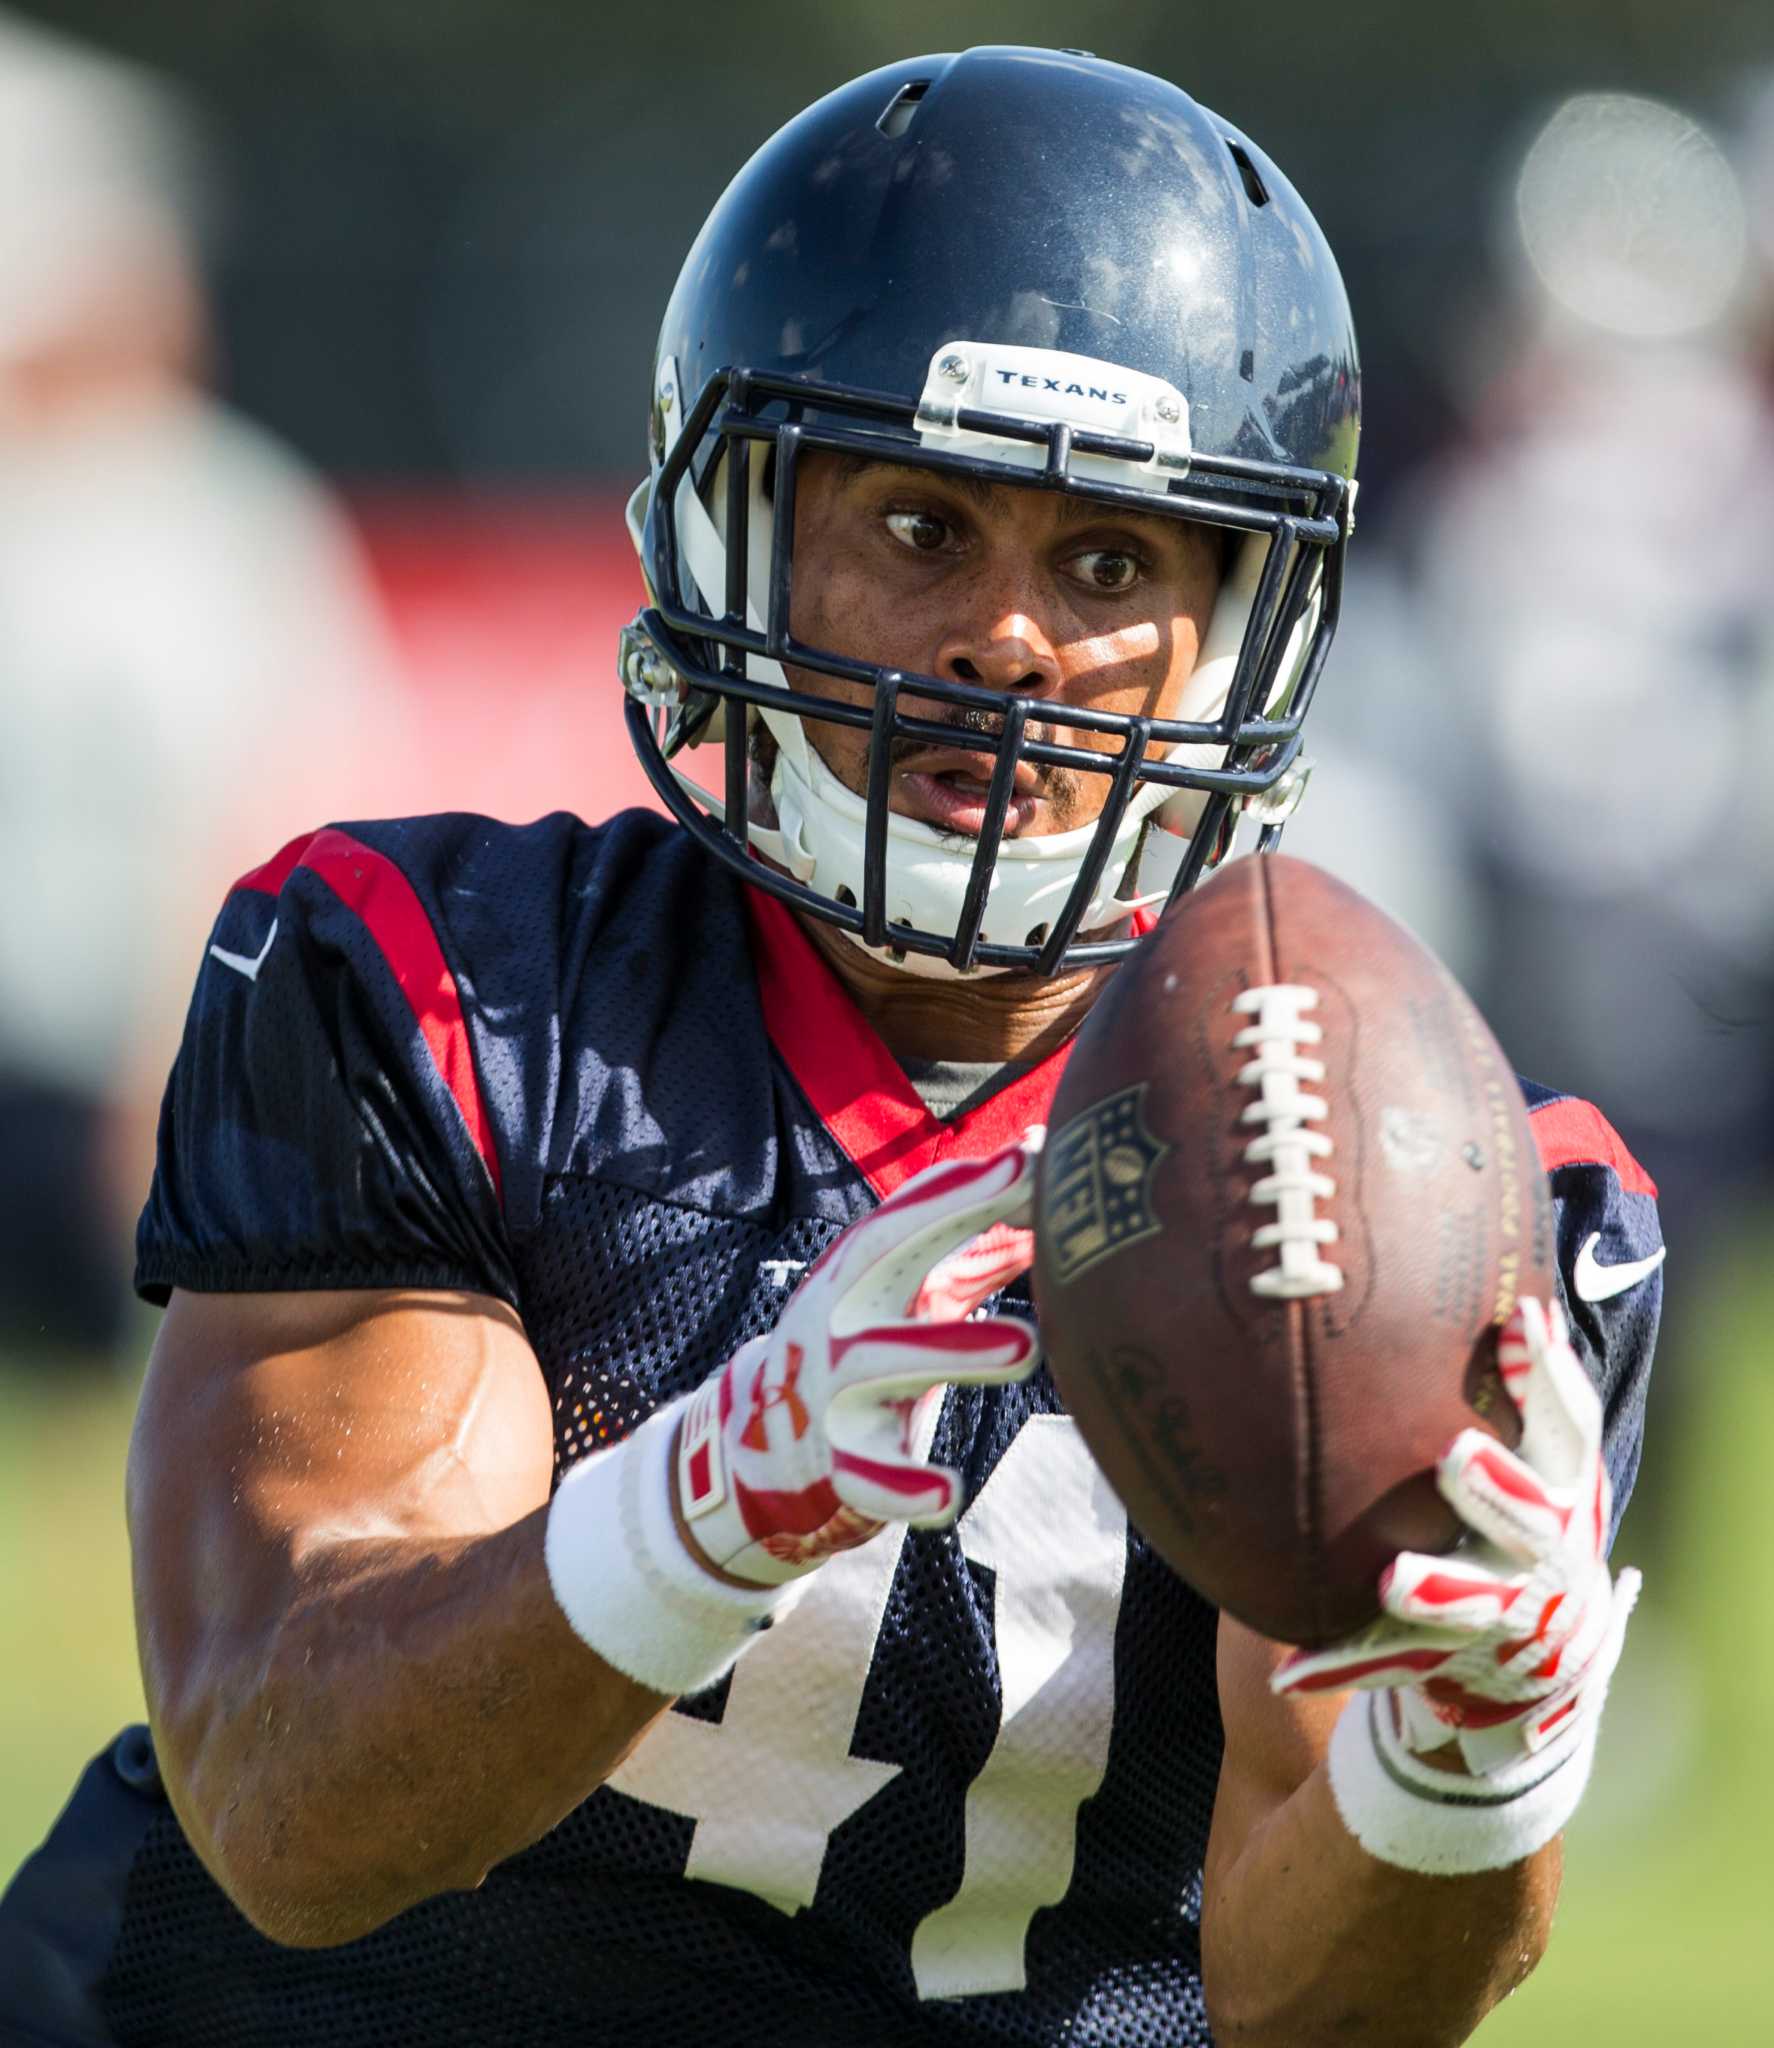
x: 961, y: 1794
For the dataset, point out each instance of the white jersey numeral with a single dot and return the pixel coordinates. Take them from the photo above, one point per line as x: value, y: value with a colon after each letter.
x: 768, y: 1783
x: 1047, y: 1524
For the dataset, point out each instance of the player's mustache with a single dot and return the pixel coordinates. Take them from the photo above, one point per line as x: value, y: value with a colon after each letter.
x: 1061, y: 788
x: 973, y: 724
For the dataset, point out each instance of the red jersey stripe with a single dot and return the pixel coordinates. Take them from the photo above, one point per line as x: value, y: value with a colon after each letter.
x: 370, y: 884
x: 1575, y: 1133
x: 854, y: 1084
x: 270, y: 878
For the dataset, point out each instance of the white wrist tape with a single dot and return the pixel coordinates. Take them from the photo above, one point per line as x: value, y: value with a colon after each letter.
x: 1404, y: 1811
x: 624, y: 1580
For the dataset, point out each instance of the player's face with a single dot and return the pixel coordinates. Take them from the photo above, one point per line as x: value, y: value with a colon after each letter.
x: 1015, y: 589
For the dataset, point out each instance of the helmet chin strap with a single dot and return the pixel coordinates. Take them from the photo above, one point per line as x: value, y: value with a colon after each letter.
x: 820, y: 834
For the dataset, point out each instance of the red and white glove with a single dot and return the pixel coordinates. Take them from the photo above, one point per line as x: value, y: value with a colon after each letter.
x: 1504, y: 1647
x: 806, y: 1441
x: 803, y: 1443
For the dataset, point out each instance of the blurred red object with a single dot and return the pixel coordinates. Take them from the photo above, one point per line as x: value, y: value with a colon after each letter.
x: 504, y: 614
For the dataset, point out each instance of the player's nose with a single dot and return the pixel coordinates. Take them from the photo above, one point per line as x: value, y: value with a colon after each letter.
x: 1002, y: 649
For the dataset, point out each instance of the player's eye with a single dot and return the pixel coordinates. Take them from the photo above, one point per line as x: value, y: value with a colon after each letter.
x: 1108, y: 568
x: 924, y: 531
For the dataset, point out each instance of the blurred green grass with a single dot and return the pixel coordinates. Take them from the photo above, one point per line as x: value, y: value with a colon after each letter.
x: 1666, y: 1931
x: 68, y: 1677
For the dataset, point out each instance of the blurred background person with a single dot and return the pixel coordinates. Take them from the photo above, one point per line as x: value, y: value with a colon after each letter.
x: 1558, y: 670
x: 189, y: 662
x: 1592, y: 560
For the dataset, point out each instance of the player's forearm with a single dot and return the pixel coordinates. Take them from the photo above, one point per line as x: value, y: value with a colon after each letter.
x: 419, y: 1711
x: 1306, y: 1938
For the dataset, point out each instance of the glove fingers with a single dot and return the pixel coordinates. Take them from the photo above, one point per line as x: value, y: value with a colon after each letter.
x: 882, y: 1261
x: 1595, y: 1645
x: 896, y: 1489
x: 1588, y: 1690
x: 1561, y: 1412
x: 1497, y: 1493
x: 871, y: 1426
x: 1450, y: 1598
x: 898, y: 1359
x: 955, y: 1286
x: 1385, y: 1653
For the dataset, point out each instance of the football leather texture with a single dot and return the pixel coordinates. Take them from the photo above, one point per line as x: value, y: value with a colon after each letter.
x: 1288, y: 1196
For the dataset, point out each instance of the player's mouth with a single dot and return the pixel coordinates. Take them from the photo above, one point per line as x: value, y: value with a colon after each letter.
x: 947, y: 787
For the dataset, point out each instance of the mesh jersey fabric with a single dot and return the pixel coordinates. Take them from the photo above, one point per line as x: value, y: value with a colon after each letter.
x: 596, y: 1120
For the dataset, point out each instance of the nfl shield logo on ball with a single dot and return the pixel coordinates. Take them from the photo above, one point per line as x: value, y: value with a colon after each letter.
x: 1096, y: 1184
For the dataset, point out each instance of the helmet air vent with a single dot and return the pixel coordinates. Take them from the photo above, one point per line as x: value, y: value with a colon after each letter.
x: 896, y: 117
x: 1254, y: 189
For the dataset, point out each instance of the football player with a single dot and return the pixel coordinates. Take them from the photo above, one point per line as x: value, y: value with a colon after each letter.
x: 610, y: 1566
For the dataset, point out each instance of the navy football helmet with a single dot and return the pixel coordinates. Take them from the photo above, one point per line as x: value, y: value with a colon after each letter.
x: 1033, y: 267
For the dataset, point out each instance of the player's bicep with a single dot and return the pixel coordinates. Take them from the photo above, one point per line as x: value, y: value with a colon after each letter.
x: 275, y: 1428
x: 1272, y: 1746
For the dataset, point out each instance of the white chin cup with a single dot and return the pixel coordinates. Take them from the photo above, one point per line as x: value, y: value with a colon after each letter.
x: 823, y: 827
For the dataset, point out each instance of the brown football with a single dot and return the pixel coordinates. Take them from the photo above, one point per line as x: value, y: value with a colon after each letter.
x: 1289, y: 1192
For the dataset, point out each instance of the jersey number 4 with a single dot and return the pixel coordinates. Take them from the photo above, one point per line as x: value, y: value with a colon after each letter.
x: 768, y: 1783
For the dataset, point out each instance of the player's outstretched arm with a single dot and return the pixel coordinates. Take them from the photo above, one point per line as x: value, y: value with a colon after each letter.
x: 1305, y: 1937
x: 379, y: 1659
x: 1384, y: 1856
x: 362, y: 1688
